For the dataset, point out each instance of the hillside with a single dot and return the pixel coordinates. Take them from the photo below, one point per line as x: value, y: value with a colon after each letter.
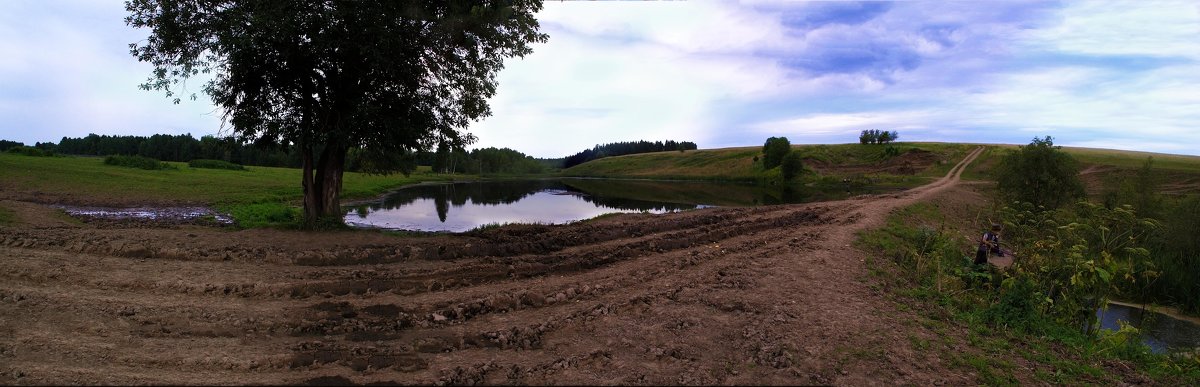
x: 742, y: 164
x: 915, y: 164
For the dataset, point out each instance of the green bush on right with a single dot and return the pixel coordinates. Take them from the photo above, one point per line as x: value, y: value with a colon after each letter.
x: 215, y: 164
x: 137, y: 162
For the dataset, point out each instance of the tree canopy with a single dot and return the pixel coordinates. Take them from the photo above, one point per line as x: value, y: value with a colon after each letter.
x: 1040, y: 173
x: 774, y: 149
x: 385, y: 77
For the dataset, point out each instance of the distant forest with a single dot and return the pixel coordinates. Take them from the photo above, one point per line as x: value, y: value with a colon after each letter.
x: 626, y: 148
x: 184, y: 148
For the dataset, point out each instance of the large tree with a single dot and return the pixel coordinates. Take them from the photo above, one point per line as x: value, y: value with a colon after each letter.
x: 1040, y: 173
x: 387, y: 77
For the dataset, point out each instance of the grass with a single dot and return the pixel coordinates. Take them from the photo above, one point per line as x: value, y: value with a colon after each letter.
x: 959, y: 316
x: 739, y: 164
x: 1132, y: 159
x: 256, y: 196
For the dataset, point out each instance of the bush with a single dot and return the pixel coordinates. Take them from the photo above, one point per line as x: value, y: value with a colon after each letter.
x: 791, y: 166
x: 1040, y: 173
x: 215, y: 164
x: 137, y: 162
x: 30, y: 151
x: 774, y: 150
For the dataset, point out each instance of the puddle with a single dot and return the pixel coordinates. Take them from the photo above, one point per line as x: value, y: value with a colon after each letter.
x: 162, y: 214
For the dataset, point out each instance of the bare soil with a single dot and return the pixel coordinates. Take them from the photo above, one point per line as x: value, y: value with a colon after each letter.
x: 762, y: 295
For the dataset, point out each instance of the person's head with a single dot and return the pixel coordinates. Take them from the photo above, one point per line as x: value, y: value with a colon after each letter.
x: 996, y: 227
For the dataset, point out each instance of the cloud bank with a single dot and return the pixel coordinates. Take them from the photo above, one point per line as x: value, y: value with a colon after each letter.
x: 1119, y: 75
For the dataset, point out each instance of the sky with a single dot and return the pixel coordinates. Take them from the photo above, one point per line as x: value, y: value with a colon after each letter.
x: 1103, y: 74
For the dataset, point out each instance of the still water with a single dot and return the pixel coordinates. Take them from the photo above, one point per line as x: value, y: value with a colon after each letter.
x: 1161, y: 332
x: 459, y: 207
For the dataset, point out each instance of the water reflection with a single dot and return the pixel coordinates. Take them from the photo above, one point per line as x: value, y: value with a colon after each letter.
x: 1159, y: 331
x: 463, y: 206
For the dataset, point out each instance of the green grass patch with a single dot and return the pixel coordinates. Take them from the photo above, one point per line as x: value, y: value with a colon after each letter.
x: 1133, y: 159
x: 137, y: 162
x: 215, y: 164
x: 256, y: 195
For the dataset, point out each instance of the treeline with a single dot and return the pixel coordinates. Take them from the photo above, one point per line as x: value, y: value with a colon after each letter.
x: 626, y: 148
x: 185, y: 148
x: 182, y: 148
x: 876, y: 136
x: 482, y: 161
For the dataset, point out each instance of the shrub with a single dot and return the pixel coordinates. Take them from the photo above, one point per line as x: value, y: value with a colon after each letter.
x: 137, y: 162
x: 774, y: 150
x: 30, y: 151
x: 791, y: 166
x: 1040, y: 173
x: 215, y: 164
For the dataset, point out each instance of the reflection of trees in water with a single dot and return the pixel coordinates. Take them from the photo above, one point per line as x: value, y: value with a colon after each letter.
x: 502, y: 193
x: 624, y: 195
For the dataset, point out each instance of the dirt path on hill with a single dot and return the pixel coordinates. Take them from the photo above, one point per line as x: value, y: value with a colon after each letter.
x: 763, y: 295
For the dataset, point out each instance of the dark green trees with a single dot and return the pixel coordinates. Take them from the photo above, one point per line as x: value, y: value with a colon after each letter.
x: 387, y: 77
x: 791, y: 166
x: 1041, y: 174
x: 774, y: 150
x: 876, y: 136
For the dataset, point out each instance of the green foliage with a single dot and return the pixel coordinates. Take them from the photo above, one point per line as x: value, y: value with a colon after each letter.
x: 1019, y: 306
x: 1080, y: 264
x: 386, y: 77
x: 876, y: 136
x: 1016, y: 319
x: 270, y: 214
x: 30, y: 151
x: 1040, y: 173
x: 5, y: 145
x: 1139, y: 190
x: 137, y: 162
x: 792, y: 165
x: 774, y: 151
x: 215, y: 164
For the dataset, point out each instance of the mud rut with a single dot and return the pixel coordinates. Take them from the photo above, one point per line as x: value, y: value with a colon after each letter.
x: 771, y: 295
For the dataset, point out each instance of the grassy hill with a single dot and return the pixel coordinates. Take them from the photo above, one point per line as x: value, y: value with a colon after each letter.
x: 916, y: 163
x: 915, y: 160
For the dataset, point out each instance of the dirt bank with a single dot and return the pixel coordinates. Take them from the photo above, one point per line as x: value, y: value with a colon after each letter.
x: 764, y: 295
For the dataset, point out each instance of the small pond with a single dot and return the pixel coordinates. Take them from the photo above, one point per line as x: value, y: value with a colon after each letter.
x: 459, y: 207
x: 1161, y: 332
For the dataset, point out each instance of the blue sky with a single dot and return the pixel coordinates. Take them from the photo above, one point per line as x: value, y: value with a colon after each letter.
x: 1107, y: 74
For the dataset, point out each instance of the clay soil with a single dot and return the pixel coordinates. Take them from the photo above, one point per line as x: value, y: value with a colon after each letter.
x: 762, y: 295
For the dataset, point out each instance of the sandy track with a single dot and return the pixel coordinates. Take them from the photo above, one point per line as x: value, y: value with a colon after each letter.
x: 771, y: 295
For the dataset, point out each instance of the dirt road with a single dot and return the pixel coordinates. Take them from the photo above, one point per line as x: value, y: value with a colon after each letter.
x: 773, y: 295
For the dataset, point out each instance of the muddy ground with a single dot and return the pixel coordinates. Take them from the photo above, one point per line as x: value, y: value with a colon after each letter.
x: 764, y: 295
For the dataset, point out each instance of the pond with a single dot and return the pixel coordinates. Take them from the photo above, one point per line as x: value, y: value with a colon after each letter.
x: 459, y: 207
x: 1161, y: 332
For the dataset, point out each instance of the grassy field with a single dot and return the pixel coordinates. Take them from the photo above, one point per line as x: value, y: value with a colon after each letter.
x: 739, y: 164
x: 255, y: 192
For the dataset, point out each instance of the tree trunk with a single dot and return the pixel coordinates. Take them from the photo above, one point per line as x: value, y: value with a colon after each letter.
x: 333, y: 161
x: 322, y: 182
x: 312, y: 209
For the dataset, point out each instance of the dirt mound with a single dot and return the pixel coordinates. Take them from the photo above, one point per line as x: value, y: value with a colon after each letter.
x: 766, y: 295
